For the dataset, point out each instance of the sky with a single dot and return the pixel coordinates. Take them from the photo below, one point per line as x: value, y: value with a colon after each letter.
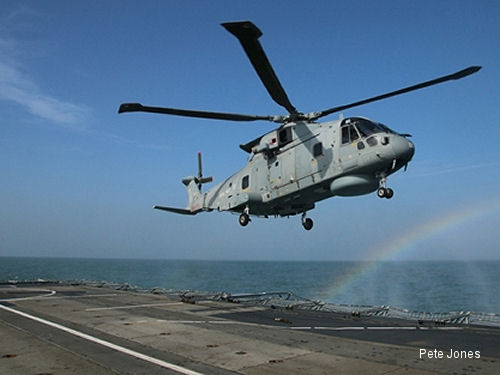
x: 79, y: 180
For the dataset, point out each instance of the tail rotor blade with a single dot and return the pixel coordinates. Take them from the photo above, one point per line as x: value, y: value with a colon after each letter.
x: 200, y: 173
x: 202, y: 180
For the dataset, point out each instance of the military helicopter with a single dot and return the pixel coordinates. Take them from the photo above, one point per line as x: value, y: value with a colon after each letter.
x: 302, y: 161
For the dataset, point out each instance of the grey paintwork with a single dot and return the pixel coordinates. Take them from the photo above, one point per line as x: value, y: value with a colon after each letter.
x: 287, y: 178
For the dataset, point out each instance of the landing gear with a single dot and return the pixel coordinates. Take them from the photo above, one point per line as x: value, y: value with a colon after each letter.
x: 244, y: 217
x: 389, y: 193
x: 383, y: 192
x: 244, y: 220
x: 307, y: 223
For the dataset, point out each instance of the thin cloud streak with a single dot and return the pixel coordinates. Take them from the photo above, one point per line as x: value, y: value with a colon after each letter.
x: 20, y: 89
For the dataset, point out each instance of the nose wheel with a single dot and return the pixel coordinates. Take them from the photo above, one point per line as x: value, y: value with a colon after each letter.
x: 307, y: 223
x: 383, y: 192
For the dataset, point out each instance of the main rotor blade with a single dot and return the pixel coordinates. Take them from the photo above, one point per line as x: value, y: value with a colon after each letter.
x: 248, y: 35
x: 458, y: 75
x: 136, y: 107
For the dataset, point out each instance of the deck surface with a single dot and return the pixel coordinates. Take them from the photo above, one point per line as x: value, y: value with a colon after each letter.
x: 82, y: 329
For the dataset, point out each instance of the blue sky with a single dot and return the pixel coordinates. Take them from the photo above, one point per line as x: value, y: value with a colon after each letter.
x: 77, y: 179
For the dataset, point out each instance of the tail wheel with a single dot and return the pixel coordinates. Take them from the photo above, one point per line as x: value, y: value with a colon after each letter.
x: 244, y: 219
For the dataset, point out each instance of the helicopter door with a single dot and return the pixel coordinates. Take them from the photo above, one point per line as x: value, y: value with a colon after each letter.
x: 348, y: 151
x: 274, y: 173
x: 282, y: 170
x: 322, y: 158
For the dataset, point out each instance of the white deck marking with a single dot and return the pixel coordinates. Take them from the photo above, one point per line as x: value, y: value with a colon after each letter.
x: 49, y: 293
x: 355, y: 328
x: 375, y: 328
x: 107, y: 344
x: 87, y: 296
x: 134, y: 306
x: 403, y: 328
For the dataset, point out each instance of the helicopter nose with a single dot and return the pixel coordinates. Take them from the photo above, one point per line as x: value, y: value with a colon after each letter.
x: 403, y: 148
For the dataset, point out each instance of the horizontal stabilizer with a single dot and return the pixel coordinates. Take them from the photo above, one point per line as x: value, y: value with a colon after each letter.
x: 181, y: 211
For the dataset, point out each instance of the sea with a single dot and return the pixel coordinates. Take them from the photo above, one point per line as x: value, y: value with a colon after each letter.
x: 422, y: 286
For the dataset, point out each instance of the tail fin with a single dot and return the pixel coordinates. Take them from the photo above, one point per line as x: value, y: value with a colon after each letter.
x: 195, y: 201
x: 195, y: 197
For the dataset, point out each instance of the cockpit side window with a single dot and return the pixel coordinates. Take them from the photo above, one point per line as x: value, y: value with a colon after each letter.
x: 345, y: 135
x: 354, y: 134
x: 349, y: 134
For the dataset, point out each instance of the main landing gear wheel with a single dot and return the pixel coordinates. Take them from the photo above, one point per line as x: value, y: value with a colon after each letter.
x: 244, y: 219
x: 307, y: 223
x: 383, y: 192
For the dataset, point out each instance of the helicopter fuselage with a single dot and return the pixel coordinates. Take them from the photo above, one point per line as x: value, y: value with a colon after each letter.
x: 295, y: 166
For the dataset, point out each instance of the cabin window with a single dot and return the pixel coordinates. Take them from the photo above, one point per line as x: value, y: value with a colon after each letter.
x: 245, y: 182
x: 285, y: 136
x: 318, y: 149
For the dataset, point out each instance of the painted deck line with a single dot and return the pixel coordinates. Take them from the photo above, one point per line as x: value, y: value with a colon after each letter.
x: 49, y: 293
x: 133, y: 353
x: 125, y: 307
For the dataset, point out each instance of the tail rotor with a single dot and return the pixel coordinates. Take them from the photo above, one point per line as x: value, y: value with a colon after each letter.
x: 200, y: 180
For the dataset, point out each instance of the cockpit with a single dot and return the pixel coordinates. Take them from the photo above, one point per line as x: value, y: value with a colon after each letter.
x: 354, y: 128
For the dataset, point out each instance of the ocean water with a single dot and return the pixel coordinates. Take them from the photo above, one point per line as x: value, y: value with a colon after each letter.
x: 431, y: 286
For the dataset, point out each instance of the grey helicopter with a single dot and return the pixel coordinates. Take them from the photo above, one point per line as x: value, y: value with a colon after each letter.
x: 302, y: 161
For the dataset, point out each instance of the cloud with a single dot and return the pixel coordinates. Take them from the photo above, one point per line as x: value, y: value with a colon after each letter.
x: 17, y: 87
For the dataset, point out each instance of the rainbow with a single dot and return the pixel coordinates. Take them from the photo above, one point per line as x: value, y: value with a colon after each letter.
x: 407, y: 240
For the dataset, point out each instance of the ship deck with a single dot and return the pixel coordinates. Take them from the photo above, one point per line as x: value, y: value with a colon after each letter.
x: 63, y: 328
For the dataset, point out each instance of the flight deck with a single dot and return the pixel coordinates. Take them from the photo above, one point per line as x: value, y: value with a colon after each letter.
x: 87, y: 328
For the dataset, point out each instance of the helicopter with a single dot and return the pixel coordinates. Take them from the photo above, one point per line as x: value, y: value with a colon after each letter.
x: 302, y: 161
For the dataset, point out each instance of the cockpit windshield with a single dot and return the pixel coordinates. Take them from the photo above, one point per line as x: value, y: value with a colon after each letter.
x: 386, y: 128
x: 366, y: 127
